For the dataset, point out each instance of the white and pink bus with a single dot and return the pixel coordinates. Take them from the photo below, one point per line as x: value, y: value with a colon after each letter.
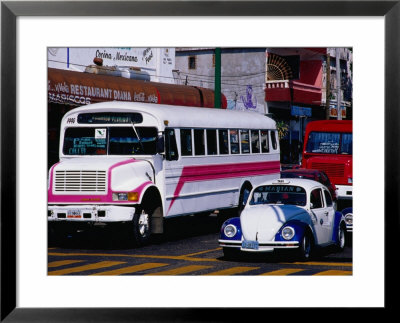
x: 137, y: 163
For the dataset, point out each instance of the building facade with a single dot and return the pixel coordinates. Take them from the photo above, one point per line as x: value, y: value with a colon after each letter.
x: 242, y: 74
x: 155, y: 63
x: 298, y: 84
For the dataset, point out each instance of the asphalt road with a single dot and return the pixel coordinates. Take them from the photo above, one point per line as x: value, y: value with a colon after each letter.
x: 189, y: 247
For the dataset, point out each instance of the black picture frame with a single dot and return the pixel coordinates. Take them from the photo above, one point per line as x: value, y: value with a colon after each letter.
x: 10, y: 10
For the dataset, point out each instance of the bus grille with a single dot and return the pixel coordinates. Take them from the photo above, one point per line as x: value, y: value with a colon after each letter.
x: 332, y: 170
x: 80, y: 181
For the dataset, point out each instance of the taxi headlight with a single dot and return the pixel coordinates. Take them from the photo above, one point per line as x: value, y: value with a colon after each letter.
x: 230, y: 230
x: 287, y: 233
x: 348, y: 218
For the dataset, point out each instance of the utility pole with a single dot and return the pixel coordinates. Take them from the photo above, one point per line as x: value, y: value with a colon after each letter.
x: 328, y: 84
x: 338, y: 85
x: 217, y: 83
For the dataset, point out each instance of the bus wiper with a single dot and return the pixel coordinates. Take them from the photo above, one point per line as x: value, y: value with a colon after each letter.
x: 138, y: 137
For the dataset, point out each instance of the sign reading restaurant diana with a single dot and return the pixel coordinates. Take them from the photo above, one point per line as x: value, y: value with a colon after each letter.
x: 158, y: 62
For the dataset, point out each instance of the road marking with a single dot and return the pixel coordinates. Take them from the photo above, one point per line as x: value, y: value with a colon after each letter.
x: 311, y: 263
x: 180, y: 270
x: 282, y: 272
x: 101, y: 264
x: 130, y: 256
x: 130, y: 269
x: 334, y: 273
x: 232, y: 271
x: 62, y: 263
x: 201, y: 252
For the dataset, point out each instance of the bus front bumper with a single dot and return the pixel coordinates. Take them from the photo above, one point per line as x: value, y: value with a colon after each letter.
x: 90, y: 213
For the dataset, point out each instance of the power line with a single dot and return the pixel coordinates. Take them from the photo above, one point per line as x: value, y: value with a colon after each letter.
x: 169, y: 77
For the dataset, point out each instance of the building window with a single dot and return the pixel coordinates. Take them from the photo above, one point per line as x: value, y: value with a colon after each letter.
x: 192, y: 62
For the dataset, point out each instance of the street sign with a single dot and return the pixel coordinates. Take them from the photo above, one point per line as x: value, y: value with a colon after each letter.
x: 301, y: 111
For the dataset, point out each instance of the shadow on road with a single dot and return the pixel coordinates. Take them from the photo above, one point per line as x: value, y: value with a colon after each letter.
x: 111, y: 237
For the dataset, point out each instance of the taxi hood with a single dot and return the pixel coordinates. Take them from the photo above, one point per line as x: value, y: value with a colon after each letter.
x: 262, y: 222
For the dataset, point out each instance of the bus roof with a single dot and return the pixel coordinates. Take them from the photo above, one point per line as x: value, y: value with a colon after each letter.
x: 330, y: 126
x: 182, y: 116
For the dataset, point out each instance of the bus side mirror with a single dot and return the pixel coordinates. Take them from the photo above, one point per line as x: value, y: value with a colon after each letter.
x: 160, y: 145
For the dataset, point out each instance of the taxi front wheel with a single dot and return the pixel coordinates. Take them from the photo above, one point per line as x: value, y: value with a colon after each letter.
x: 305, y: 248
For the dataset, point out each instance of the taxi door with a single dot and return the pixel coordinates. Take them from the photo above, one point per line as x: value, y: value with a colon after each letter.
x: 322, y: 215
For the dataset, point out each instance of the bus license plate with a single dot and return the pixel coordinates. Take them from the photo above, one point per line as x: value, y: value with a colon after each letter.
x: 248, y: 244
x: 72, y: 214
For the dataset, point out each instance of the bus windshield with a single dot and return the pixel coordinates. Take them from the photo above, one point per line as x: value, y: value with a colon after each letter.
x: 279, y: 194
x: 110, y: 141
x: 330, y: 143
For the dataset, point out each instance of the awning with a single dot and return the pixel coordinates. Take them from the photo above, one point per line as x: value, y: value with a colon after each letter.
x: 77, y: 88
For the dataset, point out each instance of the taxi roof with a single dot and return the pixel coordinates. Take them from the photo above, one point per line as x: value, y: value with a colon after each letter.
x: 307, y: 184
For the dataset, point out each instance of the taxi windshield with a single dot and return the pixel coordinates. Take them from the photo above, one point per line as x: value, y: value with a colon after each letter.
x: 110, y: 141
x: 279, y: 194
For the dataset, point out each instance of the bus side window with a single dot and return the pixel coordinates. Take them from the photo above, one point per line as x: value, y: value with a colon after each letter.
x: 273, y: 140
x: 223, y: 142
x: 264, y: 141
x: 186, y: 142
x: 211, y: 142
x: 171, y: 149
x: 244, y: 141
x: 199, y: 148
x: 255, y: 141
x: 234, y: 141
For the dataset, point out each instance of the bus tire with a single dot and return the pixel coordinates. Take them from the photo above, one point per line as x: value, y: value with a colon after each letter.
x: 244, y: 195
x: 142, y: 223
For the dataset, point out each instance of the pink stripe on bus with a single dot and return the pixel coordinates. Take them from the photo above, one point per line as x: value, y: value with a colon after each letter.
x: 223, y: 171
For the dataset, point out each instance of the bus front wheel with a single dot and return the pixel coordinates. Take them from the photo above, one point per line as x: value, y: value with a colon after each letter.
x: 142, y: 222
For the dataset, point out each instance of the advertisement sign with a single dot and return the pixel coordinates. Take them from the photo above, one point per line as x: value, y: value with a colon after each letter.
x: 334, y: 113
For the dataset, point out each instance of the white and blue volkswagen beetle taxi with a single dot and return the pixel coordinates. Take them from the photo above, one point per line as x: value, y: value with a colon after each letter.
x: 295, y: 214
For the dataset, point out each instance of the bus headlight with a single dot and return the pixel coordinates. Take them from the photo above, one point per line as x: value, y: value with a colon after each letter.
x: 123, y: 196
x: 350, y: 180
x: 287, y: 233
x: 230, y: 230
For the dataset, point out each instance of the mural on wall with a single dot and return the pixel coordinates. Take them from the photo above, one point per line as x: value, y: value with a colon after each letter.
x: 250, y: 100
x: 246, y: 102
